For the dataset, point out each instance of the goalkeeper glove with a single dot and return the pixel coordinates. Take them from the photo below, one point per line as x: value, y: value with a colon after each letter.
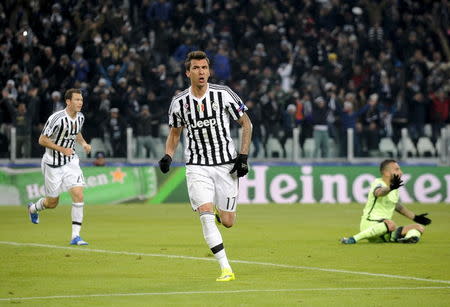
x: 164, y: 163
x: 240, y: 165
x: 396, y: 182
x: 422, y: 219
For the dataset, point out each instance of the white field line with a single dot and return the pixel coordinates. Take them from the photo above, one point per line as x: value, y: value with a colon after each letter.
x: 215, y: 292
x: 287, y: 266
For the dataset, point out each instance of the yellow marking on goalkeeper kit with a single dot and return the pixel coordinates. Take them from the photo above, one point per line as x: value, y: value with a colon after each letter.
x: 287, y: 266
x: 215, y: 292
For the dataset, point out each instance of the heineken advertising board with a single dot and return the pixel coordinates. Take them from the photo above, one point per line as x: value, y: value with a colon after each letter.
x: 339, y: 184
x: 264, y: 184
x: 104, y: 185
x: 320, y: 184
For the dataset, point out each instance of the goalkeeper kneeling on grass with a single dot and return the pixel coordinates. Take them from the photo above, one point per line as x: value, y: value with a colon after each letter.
x: 376, y: 222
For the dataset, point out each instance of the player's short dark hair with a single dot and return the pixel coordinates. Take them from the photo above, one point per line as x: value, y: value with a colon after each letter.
x: 385, y: 163
x: 70, y: 92
x: 194, y: 55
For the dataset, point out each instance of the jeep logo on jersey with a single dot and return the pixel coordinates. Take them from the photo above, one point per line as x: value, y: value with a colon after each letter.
x: 70, y: 135
x: 209, y: 122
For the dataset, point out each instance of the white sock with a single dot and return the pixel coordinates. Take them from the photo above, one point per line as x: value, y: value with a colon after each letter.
x: 77, y: 218
x: 37, y: 206
x: 213, y: 238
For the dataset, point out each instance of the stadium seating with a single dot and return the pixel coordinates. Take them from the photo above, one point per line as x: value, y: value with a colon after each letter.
x: 439, y: 146
x: 98, y: 145
x: 387, y: 147
x: 333, y: 148
x: 411, y: 150
x: 289, y: 148
x: 308, y: 148
x: 425, y: 147
x: 163, y: 131
x: 427, y: 130
x: 80, y: 151
x: 274, y: 148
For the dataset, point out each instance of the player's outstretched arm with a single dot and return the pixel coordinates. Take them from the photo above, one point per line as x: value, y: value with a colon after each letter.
x: 381, y: 191
x: 46, y: 142
x: 404, y: 211
x: 421, y: 218
x: 396, y: 182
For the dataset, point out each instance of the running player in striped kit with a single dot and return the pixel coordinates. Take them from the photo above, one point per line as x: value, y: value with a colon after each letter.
x: 213, y: 165
x: 60, y: 164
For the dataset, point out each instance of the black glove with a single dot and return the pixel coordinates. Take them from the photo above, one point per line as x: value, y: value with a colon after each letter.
x: 164, y: 163
x: 240, y: 165
x: 422, y: 219
x: 396, y: 182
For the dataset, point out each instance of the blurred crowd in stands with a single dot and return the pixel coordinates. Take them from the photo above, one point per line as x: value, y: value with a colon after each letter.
x: 324, y: 66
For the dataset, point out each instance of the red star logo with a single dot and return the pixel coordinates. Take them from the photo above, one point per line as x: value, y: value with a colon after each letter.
x: 118, y: 175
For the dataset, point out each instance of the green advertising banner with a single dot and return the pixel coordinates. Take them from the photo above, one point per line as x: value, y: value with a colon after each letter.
x: 264, y: 184
x: 319, y: 184
x: 104, y: 185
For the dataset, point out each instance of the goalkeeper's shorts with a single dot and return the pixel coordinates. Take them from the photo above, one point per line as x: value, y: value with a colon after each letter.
x: 387, y: 237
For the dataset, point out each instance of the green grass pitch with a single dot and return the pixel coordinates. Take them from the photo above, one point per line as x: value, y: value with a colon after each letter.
x: 155, y: 255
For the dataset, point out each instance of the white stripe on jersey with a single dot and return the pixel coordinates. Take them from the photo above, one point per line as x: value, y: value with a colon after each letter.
x: 207, y: 121
x: 62, y: 130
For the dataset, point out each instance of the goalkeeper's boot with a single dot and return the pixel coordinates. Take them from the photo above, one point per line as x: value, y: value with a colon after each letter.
x: 227, y: 275
x: 34, y: 217
x: 350, y: 240
x: 409, y: 240
x: 78, y: 241
x: 217, y: 215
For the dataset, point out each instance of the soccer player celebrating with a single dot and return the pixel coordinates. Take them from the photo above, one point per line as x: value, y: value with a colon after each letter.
x: 212, y: 163
x: 60, y: 164
x: 376, y: 222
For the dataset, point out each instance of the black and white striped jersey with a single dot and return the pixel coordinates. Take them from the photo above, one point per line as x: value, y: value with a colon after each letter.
x: 62, y: 130
x: 207, y: 124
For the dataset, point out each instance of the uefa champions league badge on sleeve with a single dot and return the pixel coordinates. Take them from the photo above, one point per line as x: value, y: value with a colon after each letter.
x: 241, y: 106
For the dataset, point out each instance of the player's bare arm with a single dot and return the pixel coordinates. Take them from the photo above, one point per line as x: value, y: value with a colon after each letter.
x: 381, y: 191
x: 80, y: 140
x: 46, y: 142
x: 172, y: 140
x: 247, y: 127
x: 171, y: 145
x: 404, y: 211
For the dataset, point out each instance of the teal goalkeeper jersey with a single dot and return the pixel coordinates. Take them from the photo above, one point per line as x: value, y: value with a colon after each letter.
x: 378, y: 208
